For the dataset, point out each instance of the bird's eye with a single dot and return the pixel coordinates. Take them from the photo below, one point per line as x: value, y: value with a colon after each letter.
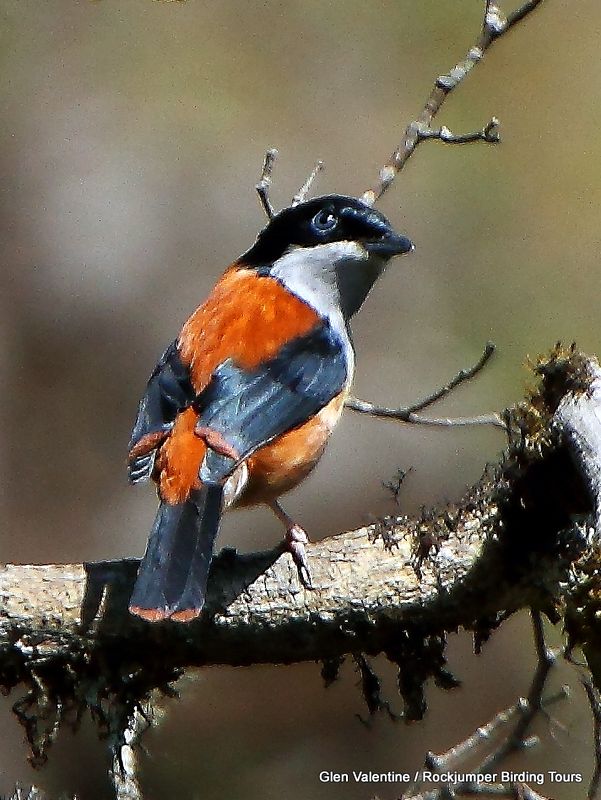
x: 325, y: 221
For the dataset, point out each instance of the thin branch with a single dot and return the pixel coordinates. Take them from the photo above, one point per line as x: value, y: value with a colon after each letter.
x: 521, y: 12
x: 409, y: 413
x: 595, y: 703
x: 494, y: 25
x: 534, y: 702
x: 462, y: 376
x: 523, y: 712
x: 525, y: 792
x: 124, y: 769
x: 482, y: 735
x: 404, y: 415
x: 33, y: 793
x: 300, y: 196
x: 459, y: 753
x: 516, y: 791
x: 265, y: 182
x: 489, y: 133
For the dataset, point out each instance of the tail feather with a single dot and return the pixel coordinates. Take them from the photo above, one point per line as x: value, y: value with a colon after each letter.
x: 172, y: 578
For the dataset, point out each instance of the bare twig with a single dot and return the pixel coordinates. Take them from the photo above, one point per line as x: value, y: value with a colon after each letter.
x: 489, y: 133
x: 409, y: 413
x: 304, y: 189
x: 456, y: 755
x: 124, y: 769
x: 33, y: 793
x: 522, y: 712
x: 265, y: 182
x: 528, y: 710
x: 363, y: 407
x: 481, y: 736
x: 595, y: 703
x: 524, y: 792
x: 462, y: 376
x: 515, y: 791
x: 494, y: 25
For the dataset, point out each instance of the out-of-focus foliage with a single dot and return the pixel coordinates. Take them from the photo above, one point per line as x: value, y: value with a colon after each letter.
x: 131, y: 138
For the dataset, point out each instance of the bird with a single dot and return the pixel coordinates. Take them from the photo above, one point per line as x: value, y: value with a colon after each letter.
x: 239, y: 408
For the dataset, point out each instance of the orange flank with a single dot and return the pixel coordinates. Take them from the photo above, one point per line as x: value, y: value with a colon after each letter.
x: 179, y: 459
x: 246, y: 318
x: 282, y: 464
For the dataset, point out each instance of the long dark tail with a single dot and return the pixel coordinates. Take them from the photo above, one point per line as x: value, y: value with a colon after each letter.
x: 172, y: 578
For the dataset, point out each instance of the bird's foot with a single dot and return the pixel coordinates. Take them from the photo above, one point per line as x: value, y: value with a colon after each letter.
x: 296, y: 539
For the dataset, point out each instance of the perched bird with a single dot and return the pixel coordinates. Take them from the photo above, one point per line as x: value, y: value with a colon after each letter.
x: 240, y: 407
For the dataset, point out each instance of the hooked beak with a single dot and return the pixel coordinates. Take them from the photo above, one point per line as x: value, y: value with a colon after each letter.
x: 389, y: 245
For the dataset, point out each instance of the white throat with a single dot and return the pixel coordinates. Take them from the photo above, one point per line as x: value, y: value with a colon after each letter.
x: 311, y: 274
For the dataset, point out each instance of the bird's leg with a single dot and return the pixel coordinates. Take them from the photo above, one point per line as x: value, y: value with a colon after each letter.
x: 296, y: 538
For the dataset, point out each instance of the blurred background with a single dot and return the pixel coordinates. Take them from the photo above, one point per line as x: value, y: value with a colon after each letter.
x: 132, y: 135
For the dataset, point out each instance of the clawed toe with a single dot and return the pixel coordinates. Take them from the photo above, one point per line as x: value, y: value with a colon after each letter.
x: 296, y: 539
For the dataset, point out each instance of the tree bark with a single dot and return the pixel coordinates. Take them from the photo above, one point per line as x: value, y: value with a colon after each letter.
x: 525, y: 536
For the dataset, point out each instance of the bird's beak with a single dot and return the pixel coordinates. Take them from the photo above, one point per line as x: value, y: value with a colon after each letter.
x: 389, y: 245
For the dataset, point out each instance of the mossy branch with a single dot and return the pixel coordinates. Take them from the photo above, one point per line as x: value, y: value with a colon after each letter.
x: 524, y: 537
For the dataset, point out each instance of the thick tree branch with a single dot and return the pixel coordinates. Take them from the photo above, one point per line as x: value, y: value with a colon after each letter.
x: 524, y: 537
x: 364, y: 581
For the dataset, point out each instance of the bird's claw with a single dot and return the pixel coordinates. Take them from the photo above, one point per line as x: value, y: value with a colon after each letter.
x: 296, y: 539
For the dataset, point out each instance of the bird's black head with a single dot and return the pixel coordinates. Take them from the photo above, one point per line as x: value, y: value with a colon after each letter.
x: 326, y: 220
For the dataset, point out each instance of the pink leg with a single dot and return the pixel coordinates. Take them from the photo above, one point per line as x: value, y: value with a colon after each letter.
x: 296, y: 539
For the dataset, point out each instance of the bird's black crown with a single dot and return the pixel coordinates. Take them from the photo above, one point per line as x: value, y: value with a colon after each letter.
x: 323, y: 220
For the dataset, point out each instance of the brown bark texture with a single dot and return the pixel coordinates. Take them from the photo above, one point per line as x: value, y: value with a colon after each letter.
x: 526, y: 536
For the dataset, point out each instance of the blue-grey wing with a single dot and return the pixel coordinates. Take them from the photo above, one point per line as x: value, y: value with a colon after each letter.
x: 168, y: 392
x: 249, y: 408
